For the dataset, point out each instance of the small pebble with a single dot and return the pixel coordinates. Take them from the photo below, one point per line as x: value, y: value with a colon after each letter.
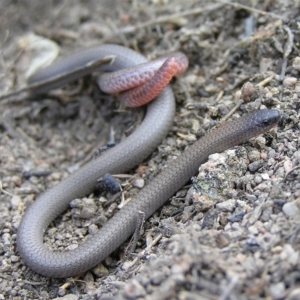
x: 88, y: 202
x: 291, y: 209
x: 17, y: 180
x: 55, y: 176
x: 258, y: 179
x: 256, y: 165
x: 88, y: 277
x: 277, y: 290
x: 227, y: 206
x: 222, y: 240
x: 76, y: 203
x: 236, y: 217
x: 261, y: 141
x: 100, y: 270
x: 134, y: 290
x: 211, y: 88
x: 139, y: 183
x: 289, y: 255
x: 290, y: 81
x: 87, y: 212
x: 102, y: 199
x: 71, y: 247
x: 248, y: 92
x: 254, y: 155
x: 14, y: 258
x: 297, y: 87
x: 272, y: 153
x: 251, y: 198
x: 93, y: 228
x: 238, y: 95
x: 296, y: 63
x: 6, y: 238
x: 15, y: 202
x: 157, y: 277
x: 265, y: 176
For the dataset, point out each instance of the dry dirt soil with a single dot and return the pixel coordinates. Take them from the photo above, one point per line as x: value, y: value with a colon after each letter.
x: 233, y: 231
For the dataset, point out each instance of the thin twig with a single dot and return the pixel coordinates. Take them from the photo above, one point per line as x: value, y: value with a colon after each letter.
x: 289, y: 172
x: 265, y: 81
x: 287, y: 51
x: 229, y: 288
x: 251, y: 9
x: 163, y: 19
x: 146, y: 250
x: 4, y: 191
x: 232, y: 111
x: 140, y: 218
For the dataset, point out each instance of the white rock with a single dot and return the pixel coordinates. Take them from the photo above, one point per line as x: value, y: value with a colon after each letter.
x: 291, y: 209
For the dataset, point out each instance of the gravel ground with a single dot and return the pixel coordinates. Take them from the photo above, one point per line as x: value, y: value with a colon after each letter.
x: 232, y: 232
